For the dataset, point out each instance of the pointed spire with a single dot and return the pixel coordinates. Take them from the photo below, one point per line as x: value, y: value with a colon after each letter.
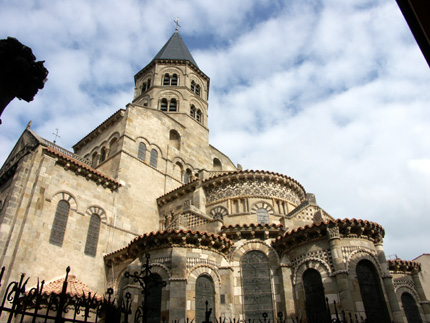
x: 175, y: 49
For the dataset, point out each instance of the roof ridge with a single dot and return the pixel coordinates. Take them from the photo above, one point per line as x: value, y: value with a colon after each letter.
x: 175, y: 49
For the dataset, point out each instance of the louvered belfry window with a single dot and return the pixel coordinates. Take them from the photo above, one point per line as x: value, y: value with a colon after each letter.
x: 93, y: 236
x: 60, y: 222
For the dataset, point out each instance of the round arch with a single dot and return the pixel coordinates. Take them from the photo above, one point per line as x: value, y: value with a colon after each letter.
x: 259, y: 245
x: 67, y: 196
x: 311, y: 263
x: 99, y: 211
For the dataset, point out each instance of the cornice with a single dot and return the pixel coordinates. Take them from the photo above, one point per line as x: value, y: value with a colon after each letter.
x: 168, y: 239
x: 253, y: 231
x: 332, y: 229
x: 224, y: 178
x: 81, y: 169
x: 398, y: 266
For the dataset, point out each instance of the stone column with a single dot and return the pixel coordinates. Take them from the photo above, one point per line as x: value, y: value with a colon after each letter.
x: 178, y: 285
x: 396, y: 311
x: 340, y: 272
x: 425, y: 304
x: 177, y: 302
x: 288, y: 291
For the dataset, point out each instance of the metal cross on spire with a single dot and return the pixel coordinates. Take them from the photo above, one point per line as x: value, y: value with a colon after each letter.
x: 56, y: 135
x: 177, y: 23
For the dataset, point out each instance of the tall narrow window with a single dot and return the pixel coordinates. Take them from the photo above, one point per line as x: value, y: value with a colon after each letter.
x: 199, y: 116
x: 174, y: 79
x: 153, y: 158
x: 411, y: 309
x: 166, y: 80
x: 193, y: 111
x: 113, y: 146
x: 315, y: 300
x: 172, y: 106
x: 371, y: 292
x: 93, y: 236
x: 198, y: 89
x: 102, y: 155
x: 174, y: 139
x: 154, y: 286
x: 142, y: 151
x: 193, y: 85
x: 163, y: 106
x: 205, y: 292
x: 187, y: 176
x: 94, y: 160
x: 60, y: 222
x: 217, y: 164
x: 257, y: 290
x: 149, y: 84
x: 143, y: 87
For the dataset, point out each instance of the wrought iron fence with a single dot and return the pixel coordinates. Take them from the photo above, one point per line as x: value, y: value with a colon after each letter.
x: 36, y: 305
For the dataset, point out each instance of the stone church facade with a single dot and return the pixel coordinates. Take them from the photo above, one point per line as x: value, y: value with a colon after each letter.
x: 147, y: 183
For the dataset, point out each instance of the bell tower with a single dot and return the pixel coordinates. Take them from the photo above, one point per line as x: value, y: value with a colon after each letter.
x: 173, y: 83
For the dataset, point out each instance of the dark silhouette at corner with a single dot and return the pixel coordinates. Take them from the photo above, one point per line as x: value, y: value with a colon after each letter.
x: 20, y: 75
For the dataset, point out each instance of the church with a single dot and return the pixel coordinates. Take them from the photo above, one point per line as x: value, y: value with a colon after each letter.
x: 146, y: 185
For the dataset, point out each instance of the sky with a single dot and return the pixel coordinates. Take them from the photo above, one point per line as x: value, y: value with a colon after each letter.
x: 332, y: 93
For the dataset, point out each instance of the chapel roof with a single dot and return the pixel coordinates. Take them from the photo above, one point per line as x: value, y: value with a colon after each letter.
x: 175, y: 49
x: 74, y: 288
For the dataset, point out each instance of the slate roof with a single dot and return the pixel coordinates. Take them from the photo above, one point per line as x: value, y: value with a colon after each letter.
x: 175, y: 49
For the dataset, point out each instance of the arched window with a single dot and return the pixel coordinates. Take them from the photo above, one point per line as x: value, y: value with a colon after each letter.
x: 149, y: 84
x: 217, y: 164
x: 142, y: 151
x: 193, y: 85
x: 153, y: 158
x: 316, y: 309
x: 371, y: 292
x: 92, y: 236
x: 154, y: 286
x: 163, y: 106
x: 177, y: 170
x: 174, y: 79
x: 205, y: 291
x: 175, y: 139
x: 94, y: 160
x: 143, y: 87
x: 113, y: 146
x: 60, y: 222
x: 172, y: 106
x: 166, y: 80
x: 198, y: 89
x: 262, y: 216
x: 411, y: 309
x: 257, y: 291
x: 199, y: 116
x: 187, y: 176
x: 102, y: 154
x: 193, y: 111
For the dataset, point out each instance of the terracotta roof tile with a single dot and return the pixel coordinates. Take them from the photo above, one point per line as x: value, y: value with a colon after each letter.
x: 82, y: 165
x: 74, y: 288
